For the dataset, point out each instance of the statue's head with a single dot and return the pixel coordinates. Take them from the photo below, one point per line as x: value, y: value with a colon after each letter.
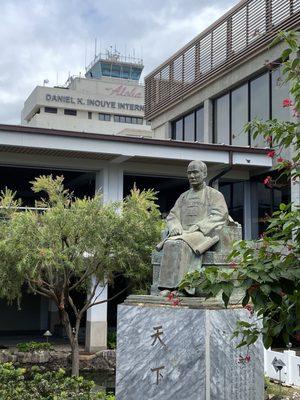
x: 197, y: 172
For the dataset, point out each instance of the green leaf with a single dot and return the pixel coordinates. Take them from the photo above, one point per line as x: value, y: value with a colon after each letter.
x: 246, y: 299
x: 267, y: 340
x: 225, y: 299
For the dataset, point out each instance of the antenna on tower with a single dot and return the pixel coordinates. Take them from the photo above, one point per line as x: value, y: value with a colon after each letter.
x: 95, y: 47
x: 85, y: 55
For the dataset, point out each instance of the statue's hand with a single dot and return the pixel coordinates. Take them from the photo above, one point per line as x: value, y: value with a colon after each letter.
x: 193, y: 228
x: 177, y: 230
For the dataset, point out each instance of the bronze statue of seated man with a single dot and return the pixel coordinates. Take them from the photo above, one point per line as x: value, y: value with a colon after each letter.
x: 193, y: 225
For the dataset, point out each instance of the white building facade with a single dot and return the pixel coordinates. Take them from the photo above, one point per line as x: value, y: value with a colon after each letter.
x: 108, y: 100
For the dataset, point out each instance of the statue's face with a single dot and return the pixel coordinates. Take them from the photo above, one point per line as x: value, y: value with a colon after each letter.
x: 195, y: 175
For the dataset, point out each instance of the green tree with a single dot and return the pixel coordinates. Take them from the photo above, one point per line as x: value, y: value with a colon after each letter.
x: 69, y: 244
x: 267, y: 271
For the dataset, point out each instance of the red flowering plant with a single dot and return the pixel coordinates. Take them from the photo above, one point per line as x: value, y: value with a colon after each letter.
x: 268, y: 271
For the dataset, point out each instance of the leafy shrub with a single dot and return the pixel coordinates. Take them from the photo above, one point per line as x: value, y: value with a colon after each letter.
x: 111, y: 339
x: 34, y: 346
x: 28, y: 384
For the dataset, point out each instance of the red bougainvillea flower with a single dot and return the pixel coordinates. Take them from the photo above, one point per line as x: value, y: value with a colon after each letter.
x: 269, y: 139
x: 249, y: 308
x: 280, y: 159
x: 267, y: 181
x: 271, y: 153
x: 233, y: 265
x: 170, y: 296
x: 287, y: 102
x: 244, y: 360
x: 295, y: 113
x: 176, y: 302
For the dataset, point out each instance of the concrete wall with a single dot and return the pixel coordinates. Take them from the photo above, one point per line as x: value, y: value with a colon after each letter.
x: 290, y: 373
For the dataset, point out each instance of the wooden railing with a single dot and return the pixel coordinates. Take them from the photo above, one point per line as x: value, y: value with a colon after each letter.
x: 234, y: 38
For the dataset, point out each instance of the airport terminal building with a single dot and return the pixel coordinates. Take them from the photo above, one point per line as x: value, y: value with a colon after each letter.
x: 197, y: 102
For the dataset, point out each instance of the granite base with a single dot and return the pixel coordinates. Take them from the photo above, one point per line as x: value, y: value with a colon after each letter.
x: 173, y: 352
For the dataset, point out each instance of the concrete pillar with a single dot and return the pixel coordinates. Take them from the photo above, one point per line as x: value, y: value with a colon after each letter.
x: 208, y: 121
x: 96, y: 323
x: 109, y: 182
x: 247, y: 211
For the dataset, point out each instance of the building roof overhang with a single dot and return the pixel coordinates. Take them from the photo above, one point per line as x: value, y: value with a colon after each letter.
x: 118, y: 149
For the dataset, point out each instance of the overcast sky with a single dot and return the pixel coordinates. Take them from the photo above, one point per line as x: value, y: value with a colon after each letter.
x: 50, y: 39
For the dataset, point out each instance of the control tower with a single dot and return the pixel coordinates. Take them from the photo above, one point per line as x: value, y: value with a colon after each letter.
x: 112, y: 64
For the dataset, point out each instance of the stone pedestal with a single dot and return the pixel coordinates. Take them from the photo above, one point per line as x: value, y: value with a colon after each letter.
x: 183, y: 352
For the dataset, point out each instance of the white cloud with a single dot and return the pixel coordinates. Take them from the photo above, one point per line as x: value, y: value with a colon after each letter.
x: 42, y: 39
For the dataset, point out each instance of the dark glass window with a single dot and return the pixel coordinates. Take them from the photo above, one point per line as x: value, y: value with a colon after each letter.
x: 233, y: 193
x: 233, y: 110
x: 178, y: 134
x: 51, y: 110
x: 89, y: 115
x: 221, y: 119
x: 259, y: 104
x: 280, y: 91
x: 200, y: 125
x: 70, y: 112
x: 104, y: 117
x: 128, y: 119
x: 189, y: 128
x: 239, y: 116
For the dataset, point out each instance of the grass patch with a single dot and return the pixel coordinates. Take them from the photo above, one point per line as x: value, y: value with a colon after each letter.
x: 276, y: 390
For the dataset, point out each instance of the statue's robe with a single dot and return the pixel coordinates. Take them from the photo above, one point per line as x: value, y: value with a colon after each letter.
x: 206, y: 208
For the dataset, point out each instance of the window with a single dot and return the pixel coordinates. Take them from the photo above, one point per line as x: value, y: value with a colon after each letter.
x: 280, y: 91
x: 128, y: 119
x: 178, y: 132
x: 104, y: 117
x: 70, y: 112
x: 51, y: 110
x: 233, y: 193
x: 239, y: 116
x: 190, y: 127
x: 200, y: 125
x: 259, y: 104
x: 259, y: 98
x: 221, y: 120
x: 89, y: 115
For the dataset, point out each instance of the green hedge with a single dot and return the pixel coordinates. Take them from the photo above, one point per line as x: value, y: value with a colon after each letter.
x: 28, y: 384
x: 34, y: 346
